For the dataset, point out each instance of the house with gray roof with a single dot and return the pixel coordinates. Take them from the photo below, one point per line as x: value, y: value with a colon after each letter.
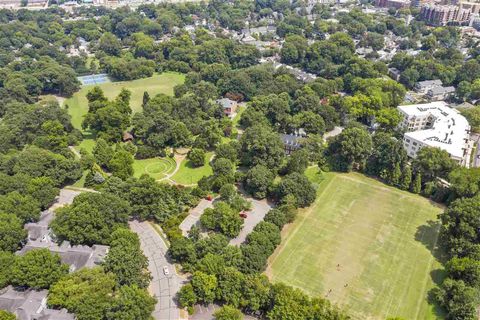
x: 229, y: 106
x: 30, y: 305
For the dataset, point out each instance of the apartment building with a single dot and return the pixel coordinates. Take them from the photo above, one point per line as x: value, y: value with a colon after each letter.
x: 441, y: 15
x: 435, y: 124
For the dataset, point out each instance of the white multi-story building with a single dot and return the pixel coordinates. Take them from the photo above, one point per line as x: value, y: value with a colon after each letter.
x: 436, y: 125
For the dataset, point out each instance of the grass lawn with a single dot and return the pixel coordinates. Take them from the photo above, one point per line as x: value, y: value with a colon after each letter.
x: 87, y: 144
x: 187, y: 174
x: 159, y: 83
x: 155, y: 167
x: 381, y: 237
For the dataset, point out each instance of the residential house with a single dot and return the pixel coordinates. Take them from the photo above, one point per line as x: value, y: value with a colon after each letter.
x: 229, y: 106
x: 30, y: 305
x: 293, y: 142
x: 440, y: 93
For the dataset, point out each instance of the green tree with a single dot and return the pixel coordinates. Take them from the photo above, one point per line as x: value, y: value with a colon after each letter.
x: 121, y: 164
x: 396, y: 175
x: 145, y: 99
x: 126, y: 260
x: 433, y: 162
x: 297, y: 162
x: 5, y: 315
x: 228, y: 313
x: 26, y: 208
x: 12, y: 233
x: 131, y: 302
x: 458, y: 299
x: 196, y: 157
x: 230, y: 284
x: 460, y: 223
x: 417, y: 184
x: 110, y: 44
x: 299, y: 186
x: 205, y: 286
x: 465, y: 182
x: 38, y: 269
x: 260, y: 145
x: 7, y: 260
x: 258, y: 180
x: 88, y: 293
x: 91, y: 218
x: 466, y: 269
x: 256, y: 292
x: 353, y: 146
x: 222, y: 218
x: 187, y: 296
x: 102, y: 152
x: 43, y: 190
x: 406, y: 178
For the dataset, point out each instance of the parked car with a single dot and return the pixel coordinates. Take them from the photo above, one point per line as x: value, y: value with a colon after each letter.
x: 166, y: 271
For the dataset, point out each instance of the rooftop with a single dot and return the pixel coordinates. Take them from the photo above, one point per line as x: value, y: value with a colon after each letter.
x: 449, y: 128
x: 30, y: 304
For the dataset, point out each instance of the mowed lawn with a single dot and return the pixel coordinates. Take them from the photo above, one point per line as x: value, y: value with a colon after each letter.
x: 187, y: 174
x: 159, y: 83
x: 380, y: 237
x: 158, y: 168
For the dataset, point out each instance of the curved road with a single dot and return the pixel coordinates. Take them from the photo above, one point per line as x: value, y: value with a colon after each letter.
x: 163, y: 287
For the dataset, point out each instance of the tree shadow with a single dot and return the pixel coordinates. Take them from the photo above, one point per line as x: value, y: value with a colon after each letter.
x: 429, y: 236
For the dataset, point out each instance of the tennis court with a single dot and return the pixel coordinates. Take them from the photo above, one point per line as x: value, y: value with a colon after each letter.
x: 94, y: 79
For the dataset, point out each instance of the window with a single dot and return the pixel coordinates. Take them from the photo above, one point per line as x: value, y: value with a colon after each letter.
x: 414, y: 143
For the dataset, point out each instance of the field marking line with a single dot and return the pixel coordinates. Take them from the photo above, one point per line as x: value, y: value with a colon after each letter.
x: 298, y: 227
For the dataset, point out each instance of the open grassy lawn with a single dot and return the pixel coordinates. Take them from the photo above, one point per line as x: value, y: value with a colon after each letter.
x: 87, y: 144
x: 187, y: 174
x: 159, y: 83
x: 381, y: 237
x: 157, y: 168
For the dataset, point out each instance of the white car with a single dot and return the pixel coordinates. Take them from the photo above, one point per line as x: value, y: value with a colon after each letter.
x: 165, y: 270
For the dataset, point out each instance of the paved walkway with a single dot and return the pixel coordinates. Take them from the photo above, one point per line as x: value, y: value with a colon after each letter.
x: 163, y: 287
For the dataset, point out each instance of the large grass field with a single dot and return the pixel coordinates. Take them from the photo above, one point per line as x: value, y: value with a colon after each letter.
x: 159, y: 83
x: 381, y: 238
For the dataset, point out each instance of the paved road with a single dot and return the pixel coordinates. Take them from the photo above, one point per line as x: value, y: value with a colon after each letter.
x: 163, y: 287
x: 194, y: 216
x: 206, y: 313
x: 259, y: 209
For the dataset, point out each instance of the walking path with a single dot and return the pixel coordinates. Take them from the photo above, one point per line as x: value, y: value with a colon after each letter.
x: 163, y: 287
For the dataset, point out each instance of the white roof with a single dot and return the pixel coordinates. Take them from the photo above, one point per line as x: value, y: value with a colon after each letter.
x: 449, y: 129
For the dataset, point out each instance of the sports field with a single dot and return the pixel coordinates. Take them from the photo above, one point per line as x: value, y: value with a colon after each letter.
x: 159, y: 83
x: 370, y: 244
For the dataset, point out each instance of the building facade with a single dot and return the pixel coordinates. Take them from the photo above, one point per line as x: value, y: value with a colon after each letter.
x: 435, y: 124
x: 441, y: 15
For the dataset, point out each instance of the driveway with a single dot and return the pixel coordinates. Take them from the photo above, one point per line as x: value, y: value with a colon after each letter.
x: 163, y: 287
x: 332, y: 133
x: 194, y: 216
x: 259, y: 209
